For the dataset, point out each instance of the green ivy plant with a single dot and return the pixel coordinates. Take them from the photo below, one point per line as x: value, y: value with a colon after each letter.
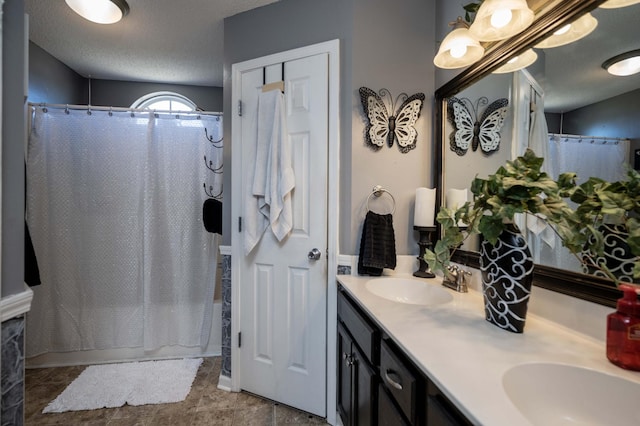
x: 521, y: 187
x: 599, y: 202
x: 470, y: 10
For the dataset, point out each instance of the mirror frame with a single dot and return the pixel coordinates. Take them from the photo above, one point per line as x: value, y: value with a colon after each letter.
x: 586, y: 287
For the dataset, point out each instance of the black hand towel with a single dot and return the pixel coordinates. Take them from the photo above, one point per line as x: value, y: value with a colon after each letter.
x: 212, y: 215
x: 377, y: 245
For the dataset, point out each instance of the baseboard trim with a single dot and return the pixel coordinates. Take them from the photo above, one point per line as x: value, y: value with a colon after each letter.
x: 16, y: 304
x: 224, y: 383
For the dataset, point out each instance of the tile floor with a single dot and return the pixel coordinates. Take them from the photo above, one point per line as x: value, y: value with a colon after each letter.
x: 205, y: 404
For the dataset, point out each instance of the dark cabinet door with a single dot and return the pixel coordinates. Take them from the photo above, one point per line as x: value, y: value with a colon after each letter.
x: 365, y: 390
x: 440, y: 411
x: 345, y: 361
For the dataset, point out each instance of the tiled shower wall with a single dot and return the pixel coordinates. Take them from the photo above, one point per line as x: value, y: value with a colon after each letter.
x: 13, y: 372
x: 226, y: 316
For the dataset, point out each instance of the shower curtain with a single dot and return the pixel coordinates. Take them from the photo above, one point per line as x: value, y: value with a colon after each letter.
x: 114, y: 206
x: 587, y: 156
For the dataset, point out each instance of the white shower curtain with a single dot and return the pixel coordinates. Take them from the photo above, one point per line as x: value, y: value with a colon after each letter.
x: 114, y: 207
x: 601, y: 158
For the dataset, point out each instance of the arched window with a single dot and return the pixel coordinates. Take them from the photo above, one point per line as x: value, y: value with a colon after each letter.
x: 165, y: 101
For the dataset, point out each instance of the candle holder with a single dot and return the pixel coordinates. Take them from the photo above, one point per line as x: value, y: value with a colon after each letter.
x: 424, y: 243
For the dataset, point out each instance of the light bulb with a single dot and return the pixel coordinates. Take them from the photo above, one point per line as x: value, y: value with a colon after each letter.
x: 458, y: 50
x: 563, y: 30
x: 627, y: 67
x: 515, y: 59
x: 501, y: 17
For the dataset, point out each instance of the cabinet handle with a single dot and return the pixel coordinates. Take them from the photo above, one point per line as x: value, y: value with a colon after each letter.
x: 348, y: 359
x: 392, y: 382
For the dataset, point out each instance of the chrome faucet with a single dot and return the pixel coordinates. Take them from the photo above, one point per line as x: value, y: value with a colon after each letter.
x: 455, y: 278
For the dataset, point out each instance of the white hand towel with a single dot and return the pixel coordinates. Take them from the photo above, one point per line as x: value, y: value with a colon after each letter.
x: 273, y: 179
x: 254, y: 222
x: 280, y: 176
x: 539, y: 143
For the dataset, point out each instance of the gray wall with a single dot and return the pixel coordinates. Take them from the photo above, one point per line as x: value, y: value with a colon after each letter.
x: 382, y: 45
x: 51, y: 81
x: 13, y: 128
x: 617, y: 117
x: 124, y: 93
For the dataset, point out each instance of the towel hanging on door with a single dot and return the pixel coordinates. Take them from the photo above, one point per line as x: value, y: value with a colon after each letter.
x: 273, y: 181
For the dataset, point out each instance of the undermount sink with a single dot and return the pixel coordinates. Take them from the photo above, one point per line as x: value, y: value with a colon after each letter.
x: 556, y: 394
x: 407, y: 290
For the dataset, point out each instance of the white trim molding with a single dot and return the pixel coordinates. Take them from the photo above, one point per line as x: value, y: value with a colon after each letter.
x: 16, y: 304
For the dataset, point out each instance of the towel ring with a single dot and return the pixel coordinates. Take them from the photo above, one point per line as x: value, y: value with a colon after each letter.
x: 378, y: 191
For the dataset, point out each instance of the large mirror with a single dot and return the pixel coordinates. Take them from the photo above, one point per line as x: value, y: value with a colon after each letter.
x: 589, y: 115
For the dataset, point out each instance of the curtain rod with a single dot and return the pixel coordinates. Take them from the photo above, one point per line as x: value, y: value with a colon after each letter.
x: 588, y: 138
x: 120, y: 109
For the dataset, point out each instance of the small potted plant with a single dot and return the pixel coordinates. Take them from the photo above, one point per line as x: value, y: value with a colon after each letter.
x: 586, y: 230
x: 518, y: 187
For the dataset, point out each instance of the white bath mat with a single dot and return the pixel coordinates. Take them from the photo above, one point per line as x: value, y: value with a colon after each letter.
x: 133, y: 383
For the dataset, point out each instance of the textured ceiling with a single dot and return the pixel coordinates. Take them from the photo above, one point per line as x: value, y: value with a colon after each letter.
x: 165, y: 41
x: 180, y: 41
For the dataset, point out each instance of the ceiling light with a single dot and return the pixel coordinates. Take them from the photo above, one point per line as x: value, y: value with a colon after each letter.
x: 581, y: 27
x: 625, y: 64
x: 100, y: 11
x: 613, y: 4
x: 459, y: 48
x: 500, y: 19
x: 523, y: 60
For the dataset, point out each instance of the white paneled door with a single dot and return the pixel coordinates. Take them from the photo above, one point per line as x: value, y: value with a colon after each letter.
x: 283, y: 289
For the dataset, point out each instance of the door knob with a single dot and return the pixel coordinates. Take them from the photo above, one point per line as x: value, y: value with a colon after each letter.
x: 314, y: 254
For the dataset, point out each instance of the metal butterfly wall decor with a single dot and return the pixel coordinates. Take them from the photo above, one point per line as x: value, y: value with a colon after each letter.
x: 384, y: 127
x: 484, y: 132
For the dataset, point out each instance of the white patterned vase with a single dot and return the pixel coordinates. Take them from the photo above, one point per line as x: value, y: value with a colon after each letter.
x: 507, y: 273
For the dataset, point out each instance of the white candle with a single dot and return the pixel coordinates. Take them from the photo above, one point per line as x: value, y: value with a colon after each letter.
x: 455, y: 198
x: 425, y: 208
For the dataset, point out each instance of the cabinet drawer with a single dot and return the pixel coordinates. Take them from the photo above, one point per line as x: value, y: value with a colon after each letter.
x: 388, y: 414
x: 364, y: 333
x: 399, y: 379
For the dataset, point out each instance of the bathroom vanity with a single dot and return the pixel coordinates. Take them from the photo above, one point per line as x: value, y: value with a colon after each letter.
x: 440, y: 363
x: 377, y: 382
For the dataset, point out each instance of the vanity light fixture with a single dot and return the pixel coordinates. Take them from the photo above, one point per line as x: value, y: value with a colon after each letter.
x: 100, y: 11
x: 624, y: 64
x: 500, y: 19
x: 614, y: 4
x: 523, y: 60
x: 459, y: 48
x: 571, y: 32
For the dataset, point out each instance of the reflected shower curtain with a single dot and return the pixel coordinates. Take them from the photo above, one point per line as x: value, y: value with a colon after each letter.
x: 114, y: 205
x: 602, y: 158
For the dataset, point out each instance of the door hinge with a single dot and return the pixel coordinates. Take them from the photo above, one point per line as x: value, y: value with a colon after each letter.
x: 239, y: 223
x: 239, y: 107
x: 240, y: 339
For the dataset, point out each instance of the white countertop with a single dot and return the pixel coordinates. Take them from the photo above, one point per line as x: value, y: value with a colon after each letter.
x: 466, y: 356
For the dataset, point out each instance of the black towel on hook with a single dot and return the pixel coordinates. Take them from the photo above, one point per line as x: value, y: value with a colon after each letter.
x: 212, y: 215
x: 377, y: 245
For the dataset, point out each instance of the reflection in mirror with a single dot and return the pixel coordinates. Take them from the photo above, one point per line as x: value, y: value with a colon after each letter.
x: 592, y: 117
x: 579, y: 98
